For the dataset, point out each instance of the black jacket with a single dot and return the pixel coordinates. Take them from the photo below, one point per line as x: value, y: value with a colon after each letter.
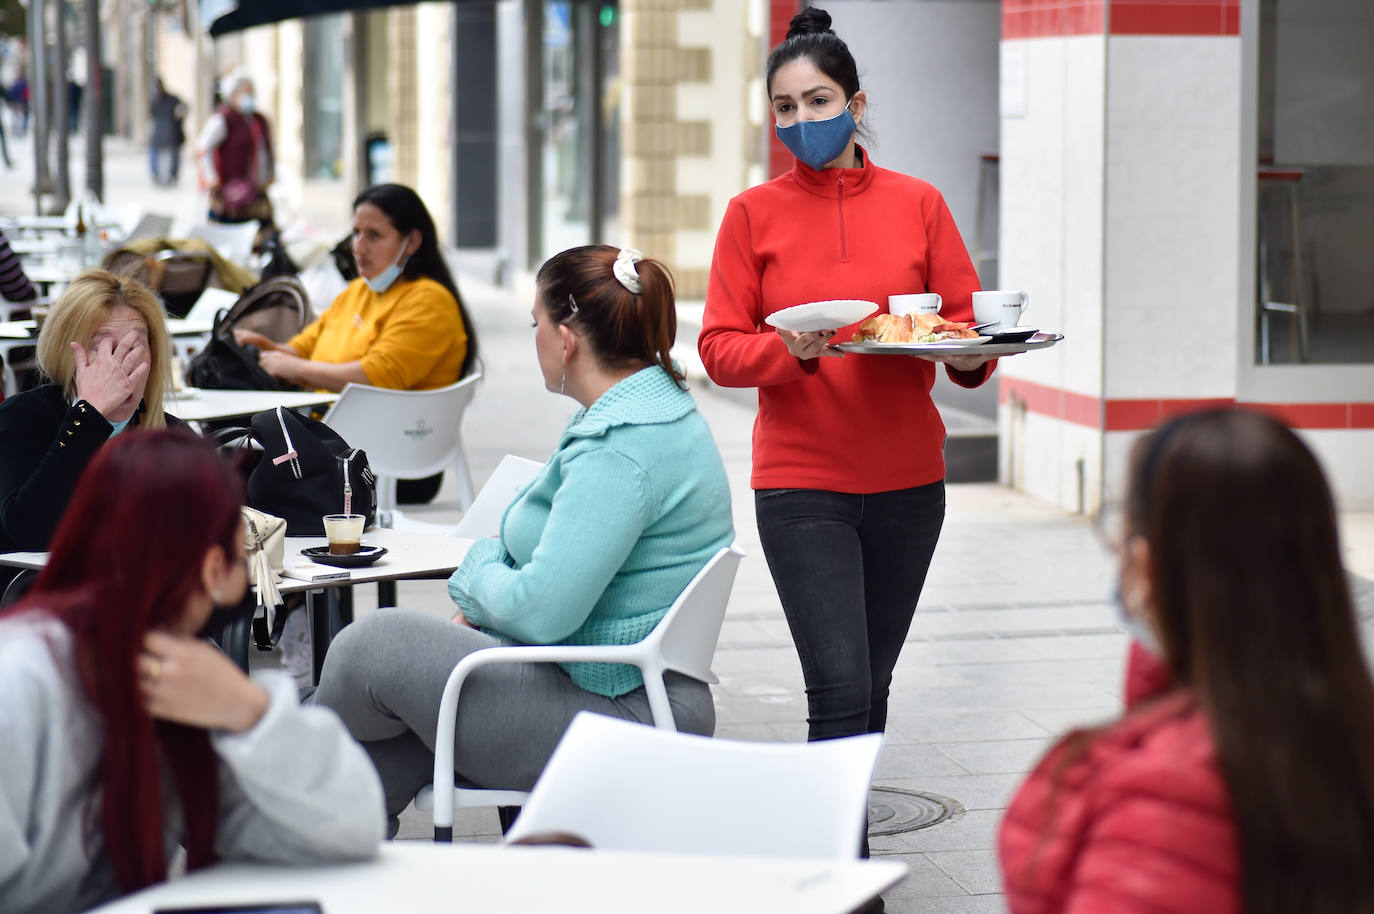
x: 44, y: 446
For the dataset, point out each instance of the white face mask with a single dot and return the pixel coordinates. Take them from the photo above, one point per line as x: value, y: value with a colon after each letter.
x: 383, y: 280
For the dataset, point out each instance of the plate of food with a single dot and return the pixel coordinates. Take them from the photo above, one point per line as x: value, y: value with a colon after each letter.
x: 821, y: 315
x: 1040, y: 340
x: 924, y: 329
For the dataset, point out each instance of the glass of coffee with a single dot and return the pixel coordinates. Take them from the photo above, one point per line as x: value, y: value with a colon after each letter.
x: 345, y: 533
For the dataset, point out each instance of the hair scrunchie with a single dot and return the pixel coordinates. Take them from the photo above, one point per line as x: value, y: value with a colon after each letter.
x: 624, y: 269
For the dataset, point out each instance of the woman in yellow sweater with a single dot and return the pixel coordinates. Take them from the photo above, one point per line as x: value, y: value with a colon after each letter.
x: 399, y: 325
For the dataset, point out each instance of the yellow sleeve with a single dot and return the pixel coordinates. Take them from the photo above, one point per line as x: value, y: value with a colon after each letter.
x: 422, y: 335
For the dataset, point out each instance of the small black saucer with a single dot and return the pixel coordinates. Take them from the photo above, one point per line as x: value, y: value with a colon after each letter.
x: 1016, y: 335
x: 364, y: 556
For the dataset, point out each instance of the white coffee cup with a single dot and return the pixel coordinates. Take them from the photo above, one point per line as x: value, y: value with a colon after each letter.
x: 1005, y: 308
x: 914, y: 303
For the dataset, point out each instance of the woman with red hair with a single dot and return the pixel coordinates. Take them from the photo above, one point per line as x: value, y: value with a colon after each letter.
x: 125, y: 733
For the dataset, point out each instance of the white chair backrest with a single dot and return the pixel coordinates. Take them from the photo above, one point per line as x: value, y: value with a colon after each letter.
x: 232, y: 241
x: 686, y: 637
x: 483, y: 516
x: 408, y: 434
x: 149, y: 225
x: 630, y: 787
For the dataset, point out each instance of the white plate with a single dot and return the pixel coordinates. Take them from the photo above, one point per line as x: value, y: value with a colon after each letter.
x: 821, y: 315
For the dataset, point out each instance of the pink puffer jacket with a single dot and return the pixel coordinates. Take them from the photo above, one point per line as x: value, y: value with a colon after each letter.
x: 1135, y: 820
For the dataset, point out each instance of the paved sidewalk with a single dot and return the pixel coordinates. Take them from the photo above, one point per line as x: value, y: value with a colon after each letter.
x: 1015, y: 640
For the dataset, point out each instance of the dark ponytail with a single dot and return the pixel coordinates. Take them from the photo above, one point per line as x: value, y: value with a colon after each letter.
x: 625, y: 329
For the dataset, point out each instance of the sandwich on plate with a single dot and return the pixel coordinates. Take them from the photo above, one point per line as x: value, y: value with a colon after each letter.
x: 912, y: 328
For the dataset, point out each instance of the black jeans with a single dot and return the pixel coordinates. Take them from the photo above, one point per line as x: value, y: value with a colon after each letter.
x: 849, y: 570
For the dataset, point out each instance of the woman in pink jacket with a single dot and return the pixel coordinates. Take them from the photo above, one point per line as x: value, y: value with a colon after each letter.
x: 1241, y: 777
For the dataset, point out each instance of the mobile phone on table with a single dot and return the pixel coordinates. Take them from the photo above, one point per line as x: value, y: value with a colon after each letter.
x: 257, y: 907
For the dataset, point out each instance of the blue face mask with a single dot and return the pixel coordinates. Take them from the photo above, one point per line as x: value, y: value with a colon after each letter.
x: 818, y: 143
x: 120, y: 426
x: 383, y: 280
x: 247, y: 104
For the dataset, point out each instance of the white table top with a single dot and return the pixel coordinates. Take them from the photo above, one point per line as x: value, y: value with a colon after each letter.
x: 23, y: 246
x: 18, y: 330
x: 409, y: 555
x: 418, y: 876
x: 196, y: 405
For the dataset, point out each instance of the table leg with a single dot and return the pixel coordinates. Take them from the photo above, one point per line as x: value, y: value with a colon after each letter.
x: 386, y: 593
x: 327, y: 616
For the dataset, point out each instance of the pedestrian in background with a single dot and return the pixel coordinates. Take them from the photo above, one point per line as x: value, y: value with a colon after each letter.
x: 1241, y: 777
x: 848, y: 451
x: 164, y: 150
x: 235, y: 154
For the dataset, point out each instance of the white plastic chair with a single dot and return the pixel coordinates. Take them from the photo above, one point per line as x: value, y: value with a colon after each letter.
x: 626, y: 787
x: 408, y: 434
x: 483, y: 517
x: 683, y: 641
x: 232, y: 241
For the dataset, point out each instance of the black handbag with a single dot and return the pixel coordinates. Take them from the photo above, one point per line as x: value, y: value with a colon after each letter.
x: 306, y: 471
x: 225, y: 365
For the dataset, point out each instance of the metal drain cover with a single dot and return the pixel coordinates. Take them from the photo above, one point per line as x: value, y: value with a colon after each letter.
x: 892, y: 810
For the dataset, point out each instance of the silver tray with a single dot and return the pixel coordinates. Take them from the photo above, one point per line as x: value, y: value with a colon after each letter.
x: 1039, y: 341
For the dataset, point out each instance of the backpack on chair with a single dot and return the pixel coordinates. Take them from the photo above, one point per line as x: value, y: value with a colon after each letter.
x: 276, y: 308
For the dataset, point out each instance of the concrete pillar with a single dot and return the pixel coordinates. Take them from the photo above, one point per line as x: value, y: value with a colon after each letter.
x: 402, y: 81
x: 1121, y: 184
x: 689, y: 127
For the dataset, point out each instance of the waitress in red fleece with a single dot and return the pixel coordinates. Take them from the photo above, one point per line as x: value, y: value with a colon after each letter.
x: 848, y: 450
x: 1241, y: 777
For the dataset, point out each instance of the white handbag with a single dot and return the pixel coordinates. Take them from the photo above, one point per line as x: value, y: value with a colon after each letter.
x: 264, y: 540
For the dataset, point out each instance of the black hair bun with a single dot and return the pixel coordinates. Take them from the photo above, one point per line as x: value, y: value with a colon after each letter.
x: 810, y: 21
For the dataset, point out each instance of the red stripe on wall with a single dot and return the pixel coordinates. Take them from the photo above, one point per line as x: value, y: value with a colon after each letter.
x: 1059, y: 18
x: 1123, y: 415
x: 1161, y: 17
x: 780, y: 13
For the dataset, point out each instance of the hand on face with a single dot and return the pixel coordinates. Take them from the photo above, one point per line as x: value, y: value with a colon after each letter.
x: 111, y: 376
x: 810, y: 345
x: 189, y: 681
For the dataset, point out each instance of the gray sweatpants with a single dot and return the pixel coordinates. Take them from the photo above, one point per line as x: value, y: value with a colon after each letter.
x: 385, y: 674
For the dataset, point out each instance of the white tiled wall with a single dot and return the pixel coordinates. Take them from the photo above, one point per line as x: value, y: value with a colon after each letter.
x: 1172, y: 202
x: 1051, y: 220
x: 1345, y: 456
x: 1042, y: 455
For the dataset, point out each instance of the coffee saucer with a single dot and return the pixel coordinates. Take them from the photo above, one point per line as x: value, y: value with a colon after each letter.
x: 364, y: 556
x: 1012, y: 335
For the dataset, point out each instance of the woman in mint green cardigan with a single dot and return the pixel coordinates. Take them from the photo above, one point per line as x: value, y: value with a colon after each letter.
x: 630, y: 507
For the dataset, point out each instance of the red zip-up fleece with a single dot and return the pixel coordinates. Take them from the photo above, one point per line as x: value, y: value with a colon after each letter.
x: 862, y: 423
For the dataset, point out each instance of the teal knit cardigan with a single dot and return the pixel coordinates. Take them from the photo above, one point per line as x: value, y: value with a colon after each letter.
x: 630, y: 507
